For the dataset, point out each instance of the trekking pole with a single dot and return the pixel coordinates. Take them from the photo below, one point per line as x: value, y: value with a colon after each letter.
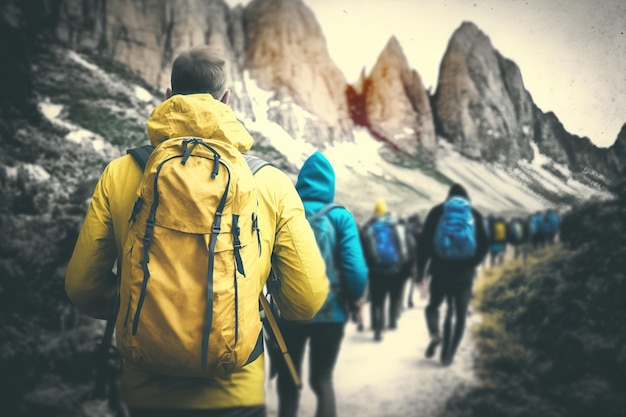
x: 281, y: 342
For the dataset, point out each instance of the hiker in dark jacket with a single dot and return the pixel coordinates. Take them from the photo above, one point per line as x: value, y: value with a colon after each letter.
x: 415, y: 226
x: 324, y: 332
x: 517, y: 236
x: 452, y: 280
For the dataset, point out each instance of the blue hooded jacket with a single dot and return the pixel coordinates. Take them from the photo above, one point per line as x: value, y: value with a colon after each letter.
x: 316, y: 187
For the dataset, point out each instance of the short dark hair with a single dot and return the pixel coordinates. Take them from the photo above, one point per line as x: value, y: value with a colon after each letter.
x: 199, y: 70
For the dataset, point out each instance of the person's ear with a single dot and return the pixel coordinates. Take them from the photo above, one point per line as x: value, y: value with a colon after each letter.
x: 226, y: 97
x: 168, y: 93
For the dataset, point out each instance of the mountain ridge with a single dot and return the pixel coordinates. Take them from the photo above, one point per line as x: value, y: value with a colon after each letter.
x: 480, y: 103
x: 407, y: 127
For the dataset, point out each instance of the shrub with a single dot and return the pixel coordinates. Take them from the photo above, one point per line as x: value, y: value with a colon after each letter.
x: 553, y: 337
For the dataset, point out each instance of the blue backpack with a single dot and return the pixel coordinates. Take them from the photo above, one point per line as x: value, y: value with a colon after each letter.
x: 551, y: 224
x: 455, y: 236
x: 326, y: 238
x: 381, y: 237
x: 535, y: 225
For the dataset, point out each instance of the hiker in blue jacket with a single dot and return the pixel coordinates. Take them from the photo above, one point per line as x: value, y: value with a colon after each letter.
x: 550, y: 226
x: 316, y: 187
x: 449, y: 279
x: 535, y: 228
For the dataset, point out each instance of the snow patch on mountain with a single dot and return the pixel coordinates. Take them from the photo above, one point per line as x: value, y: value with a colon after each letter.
x: 363, y: 176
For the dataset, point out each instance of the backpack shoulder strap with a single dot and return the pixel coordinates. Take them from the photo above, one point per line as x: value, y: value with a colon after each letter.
x: 141, y: 154
x: 255, y: 163
x: 322, y: 212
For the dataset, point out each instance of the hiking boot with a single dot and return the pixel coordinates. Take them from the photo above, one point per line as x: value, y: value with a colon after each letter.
x: 446, y: 360
x: 432, y: 346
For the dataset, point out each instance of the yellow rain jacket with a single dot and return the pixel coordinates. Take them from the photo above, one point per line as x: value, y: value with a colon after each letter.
x: 91, y: 284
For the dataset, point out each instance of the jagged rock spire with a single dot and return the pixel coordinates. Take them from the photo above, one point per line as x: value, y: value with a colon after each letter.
x: 396, y: 104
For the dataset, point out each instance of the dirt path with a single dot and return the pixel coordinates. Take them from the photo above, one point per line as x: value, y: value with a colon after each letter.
x: 390, y: 378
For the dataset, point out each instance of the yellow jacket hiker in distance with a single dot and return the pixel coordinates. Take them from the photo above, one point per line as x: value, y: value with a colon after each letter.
x: 285, y: 233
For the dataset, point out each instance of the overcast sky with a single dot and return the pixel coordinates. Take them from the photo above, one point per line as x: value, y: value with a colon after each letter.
x: 571, y: 53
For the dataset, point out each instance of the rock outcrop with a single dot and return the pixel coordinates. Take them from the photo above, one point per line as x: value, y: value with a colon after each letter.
x: 286, y: 53
x: 579, y: 154
x: 482, y: 107
x: 147, y: 36
x: 480, y: 103
x: 393, y: 103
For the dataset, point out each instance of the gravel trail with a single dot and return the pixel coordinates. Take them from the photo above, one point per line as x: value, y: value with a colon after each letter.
x: 390, y: 378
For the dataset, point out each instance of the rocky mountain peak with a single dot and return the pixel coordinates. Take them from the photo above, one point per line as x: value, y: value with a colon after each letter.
x: 394, y: 104
x: 483, y: 108
x: 286, y: 53
x: 481, y: 105
x: 392, y: 50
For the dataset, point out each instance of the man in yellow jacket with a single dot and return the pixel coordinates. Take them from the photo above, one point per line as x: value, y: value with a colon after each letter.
x: 198, y: 87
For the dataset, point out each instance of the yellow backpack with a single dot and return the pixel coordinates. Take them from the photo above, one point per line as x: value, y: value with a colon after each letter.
x: 189, y: 282
x: 499, y: 231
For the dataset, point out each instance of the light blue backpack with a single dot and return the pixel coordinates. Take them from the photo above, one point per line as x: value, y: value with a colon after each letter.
x: 455, y: 236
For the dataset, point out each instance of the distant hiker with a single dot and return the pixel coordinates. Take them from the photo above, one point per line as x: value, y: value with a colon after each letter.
x: 410, y: 244
x: 487, y: 220
x: 388, y: 254
x: 535, y: 229
x: 337, y: 235
x: 455, y: 243
x: 498, y: 239
x: 415, y: 226
x: 517, y: 236
x: 550, y: 226
x: 196, y: 270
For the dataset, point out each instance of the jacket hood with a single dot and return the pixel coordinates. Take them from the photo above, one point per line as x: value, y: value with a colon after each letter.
x: 197, y: 115
x: 316, y: 180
